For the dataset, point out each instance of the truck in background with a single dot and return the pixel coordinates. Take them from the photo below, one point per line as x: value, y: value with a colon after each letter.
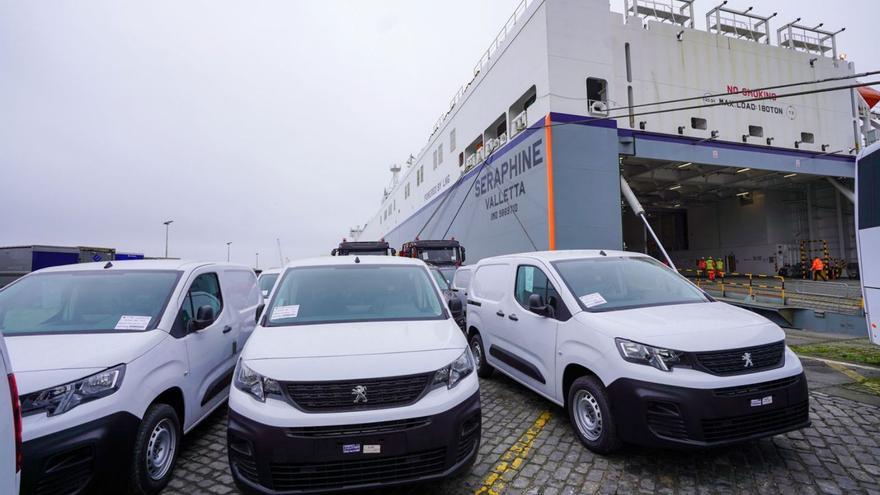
x: 17, y: 261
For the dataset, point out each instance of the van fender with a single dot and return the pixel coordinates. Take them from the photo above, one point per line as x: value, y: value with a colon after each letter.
x: 596, y: 360
x: 162, y: 368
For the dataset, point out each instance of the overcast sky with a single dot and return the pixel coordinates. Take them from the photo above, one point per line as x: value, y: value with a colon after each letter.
x: 242, y: 121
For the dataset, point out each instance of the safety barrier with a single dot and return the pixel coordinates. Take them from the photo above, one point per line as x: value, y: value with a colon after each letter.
x: 755, y: 285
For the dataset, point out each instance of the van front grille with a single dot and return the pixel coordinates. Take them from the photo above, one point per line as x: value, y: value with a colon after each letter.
x: 350, y: 395
x: 746, y: 425
x: 744, y: 360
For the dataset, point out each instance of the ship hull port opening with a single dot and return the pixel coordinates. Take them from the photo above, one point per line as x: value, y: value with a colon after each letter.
x: 766, y: 226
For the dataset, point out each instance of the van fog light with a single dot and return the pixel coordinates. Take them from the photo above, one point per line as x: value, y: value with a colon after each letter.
x: 451, y: 374
x: 662, y: 359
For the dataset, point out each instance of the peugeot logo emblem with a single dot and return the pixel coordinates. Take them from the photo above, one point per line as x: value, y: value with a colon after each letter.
x: 747, y: 359
x: 360, y: 394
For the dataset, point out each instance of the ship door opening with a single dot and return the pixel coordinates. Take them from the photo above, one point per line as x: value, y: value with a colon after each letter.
x: 763, y: 223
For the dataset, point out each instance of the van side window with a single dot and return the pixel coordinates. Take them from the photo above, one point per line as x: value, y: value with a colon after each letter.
x: 532, y: 280
x: 204, y: 291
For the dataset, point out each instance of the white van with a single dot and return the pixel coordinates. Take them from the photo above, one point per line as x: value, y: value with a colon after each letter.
x: 10, y: 426
x: 356, y: 376
x: 115, y: 361
x: 634, y: 351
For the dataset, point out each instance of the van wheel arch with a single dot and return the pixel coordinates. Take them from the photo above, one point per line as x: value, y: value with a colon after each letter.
x: 572, y: 372
x: 174, y: 398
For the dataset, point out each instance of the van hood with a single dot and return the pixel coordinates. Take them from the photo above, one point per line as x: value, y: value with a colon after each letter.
x: 343, y: 351
x: 687, y: 327
x: 353, y: 339
x: 41, y: 361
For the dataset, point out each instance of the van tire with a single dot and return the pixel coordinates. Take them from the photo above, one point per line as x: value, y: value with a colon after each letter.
x: 484, y: 370
x: 590, y: 415
x: 160, y: 429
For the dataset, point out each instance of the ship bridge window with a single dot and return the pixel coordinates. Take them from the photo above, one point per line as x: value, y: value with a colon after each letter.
x: 518, y: 112
x: 597, y: 95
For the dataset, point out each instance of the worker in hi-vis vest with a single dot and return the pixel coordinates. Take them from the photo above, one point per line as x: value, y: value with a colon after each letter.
x: 701, y: 266
x: 719, y: 267
x: 710, y: 268
x: 818, y: 269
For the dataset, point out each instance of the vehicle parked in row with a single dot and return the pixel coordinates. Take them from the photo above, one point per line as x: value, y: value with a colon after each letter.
x: 115, y: 362
x: 10, y: 426
x: 363, y: 248
x: 461, y: 282
x: 633, y: 351
x: 266, y: 281
x: 450, y: 296
x: 355, y: 377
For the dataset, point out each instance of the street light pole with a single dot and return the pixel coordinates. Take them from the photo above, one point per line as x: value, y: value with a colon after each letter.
x: 227, y: 251
x: 258, y: 261
x: 167, y: 223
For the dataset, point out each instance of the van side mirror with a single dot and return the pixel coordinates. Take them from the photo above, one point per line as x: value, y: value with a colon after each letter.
x: 538, y: 306
x: 455, y: 305
x: 204, y: 317
x: 259, y: 313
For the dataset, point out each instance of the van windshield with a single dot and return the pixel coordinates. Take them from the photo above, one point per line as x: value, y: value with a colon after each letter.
x: 267, y: 281
x: 86, y: 302
x: 615, y: 283
x: 336, y: 294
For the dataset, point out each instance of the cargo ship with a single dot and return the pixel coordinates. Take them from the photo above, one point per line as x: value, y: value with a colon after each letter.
x: 738, y: 136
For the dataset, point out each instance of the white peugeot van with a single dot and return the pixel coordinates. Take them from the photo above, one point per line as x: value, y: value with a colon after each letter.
x: 115, y: 361
x: 635, y: 352
x: 356, y: 377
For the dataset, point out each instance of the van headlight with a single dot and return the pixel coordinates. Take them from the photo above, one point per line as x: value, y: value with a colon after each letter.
x: 662, y: 359
x: 451, y: 374
x: 255, y: 384
x: 58, y: 400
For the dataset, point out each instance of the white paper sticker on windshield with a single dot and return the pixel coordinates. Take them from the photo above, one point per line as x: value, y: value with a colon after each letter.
x: 129, y: 322
x: 594, y: 299
x: 285, y: 312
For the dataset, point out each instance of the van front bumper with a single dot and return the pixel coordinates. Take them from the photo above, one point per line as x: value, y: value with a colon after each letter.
x: 278, y: 460
x: 667, y: 416
x: 93, y: 457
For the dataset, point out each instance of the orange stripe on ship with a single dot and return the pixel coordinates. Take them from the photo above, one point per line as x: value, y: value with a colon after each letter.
x: 551, y: 203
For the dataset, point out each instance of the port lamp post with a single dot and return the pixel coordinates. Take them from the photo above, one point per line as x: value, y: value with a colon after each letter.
x: 167, y: 223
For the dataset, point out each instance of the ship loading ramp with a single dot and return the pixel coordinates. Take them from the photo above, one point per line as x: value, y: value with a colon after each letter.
x: 765, y: 224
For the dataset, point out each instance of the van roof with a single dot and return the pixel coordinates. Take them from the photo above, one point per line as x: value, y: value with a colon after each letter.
x: 139, y: 265
x: 568, y: 254
x: 349, y: 259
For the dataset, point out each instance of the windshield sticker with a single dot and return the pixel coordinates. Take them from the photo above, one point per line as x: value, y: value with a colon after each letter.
x: 594, y: 299
x: 129, y: 322
x: 285, y: 312
x: 530, y: 278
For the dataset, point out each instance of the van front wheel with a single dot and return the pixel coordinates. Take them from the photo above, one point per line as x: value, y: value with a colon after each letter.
x: 590, y: 415
x: 155, y: 450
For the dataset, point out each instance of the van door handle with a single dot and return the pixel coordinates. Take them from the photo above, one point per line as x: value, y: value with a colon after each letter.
x: 500, y: 313
x: 513, y: 317
x: 227, y: 329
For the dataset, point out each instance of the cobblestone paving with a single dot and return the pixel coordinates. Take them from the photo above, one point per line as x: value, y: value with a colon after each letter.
x: 839, y: 454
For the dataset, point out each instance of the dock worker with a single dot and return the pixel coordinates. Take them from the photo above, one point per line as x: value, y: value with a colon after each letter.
x: 710, y: 268
x: 701, y: 266
x: 719, y: 267
x: 818, y: 269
